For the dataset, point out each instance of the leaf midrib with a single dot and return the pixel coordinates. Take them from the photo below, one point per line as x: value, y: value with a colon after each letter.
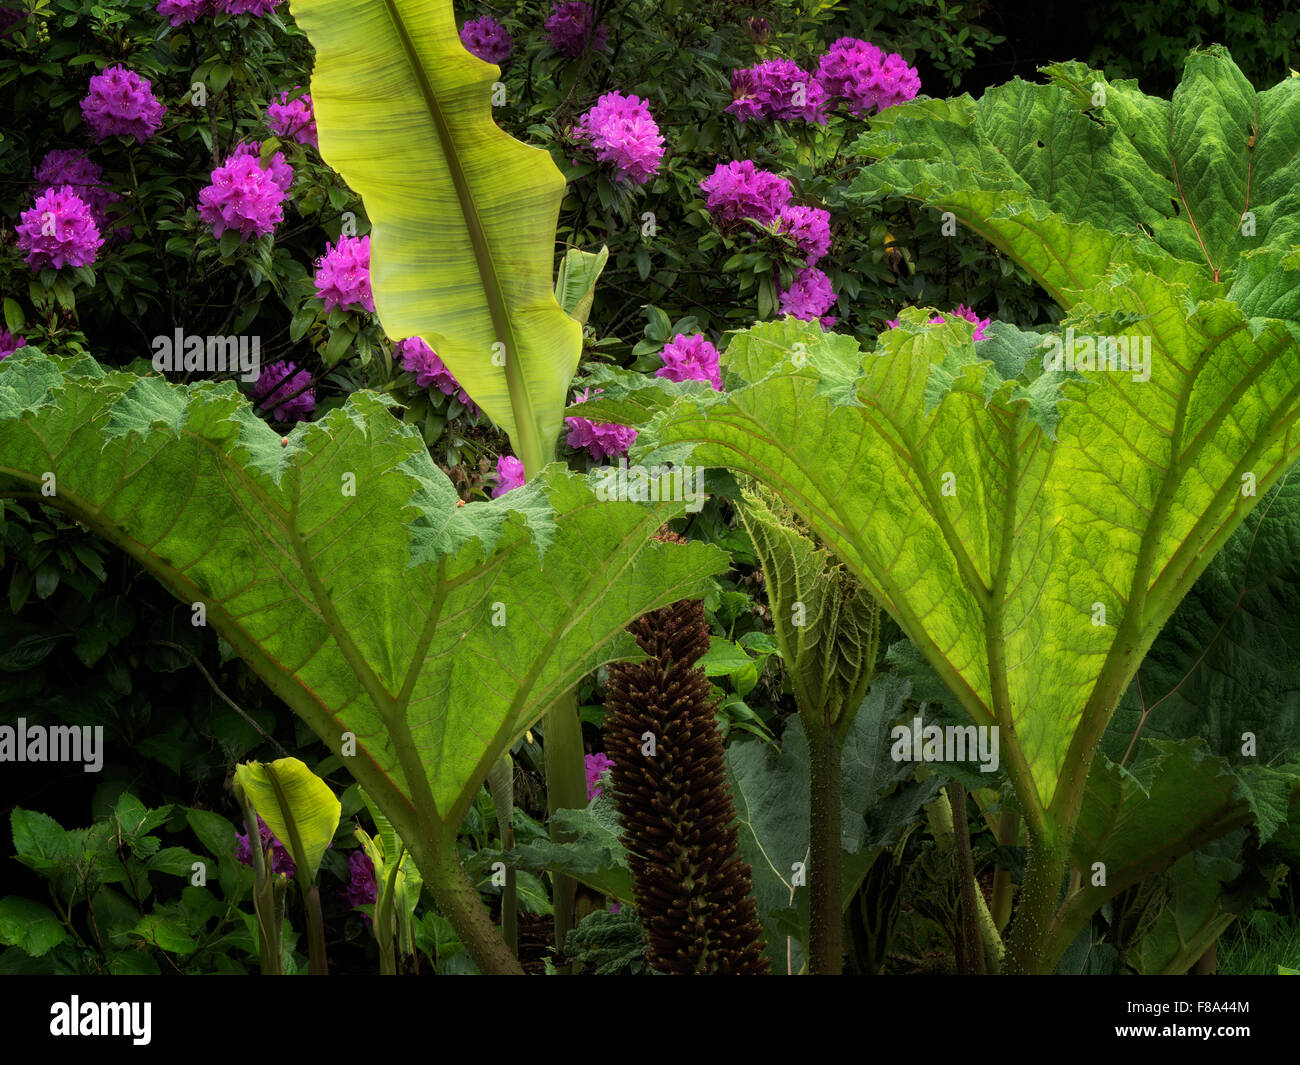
x: 521, y: 405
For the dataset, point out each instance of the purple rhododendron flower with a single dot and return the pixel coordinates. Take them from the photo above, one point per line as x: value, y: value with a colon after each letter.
x: 293, y: 118
x: 739, y: 190
x: 691, y: 358
x: 275, y: 387
x: 602, y: 439
x: 70, y: 166
x: 597, y: 766
x: 961, y: 311
x: 486, y: 38
x: 10, y: 343
x: 510, y: 475
x: 809, y: 227
x: 420, y: 359
x: 570, y: 29
x: 257, y: 8
x: 981, y: 324
x: 343, y: 274
x: 60, y: 230
x: 623, y: 132
x: 361, y: 889
x: 183, y: 11
x: 243, y: 196
x: 281, y: 172
x: 777, y: 88
x: 745, y: 103
x: 281, y: 861
x: 865, y: 77
x: 809, y: 296
x: 122, y: 102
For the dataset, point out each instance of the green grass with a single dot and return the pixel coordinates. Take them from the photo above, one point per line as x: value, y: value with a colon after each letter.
x: 1258, y: 943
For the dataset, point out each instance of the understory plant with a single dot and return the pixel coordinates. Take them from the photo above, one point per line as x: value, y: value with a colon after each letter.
x: 828, y: 628
x: 1029, y: 520
x: 298, y: 808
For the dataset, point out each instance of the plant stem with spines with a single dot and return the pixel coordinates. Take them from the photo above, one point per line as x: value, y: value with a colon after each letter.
x: 826, y: 920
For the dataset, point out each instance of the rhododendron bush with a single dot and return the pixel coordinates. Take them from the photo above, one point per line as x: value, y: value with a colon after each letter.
x: 561, y: 487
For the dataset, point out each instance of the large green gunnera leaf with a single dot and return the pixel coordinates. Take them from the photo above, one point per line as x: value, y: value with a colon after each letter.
x: 1031, y: 525
x: 463, y: 215
x: 341, y: 565
x: 1076, y: 175
x: 1031, y: 570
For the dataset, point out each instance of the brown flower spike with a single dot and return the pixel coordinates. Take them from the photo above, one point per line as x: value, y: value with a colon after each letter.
x: 692, y: 888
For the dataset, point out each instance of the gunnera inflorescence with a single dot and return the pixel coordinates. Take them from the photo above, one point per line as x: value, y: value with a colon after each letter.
x: 692, y: 888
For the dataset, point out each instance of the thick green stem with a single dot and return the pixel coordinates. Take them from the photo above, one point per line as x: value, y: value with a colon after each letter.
x: 826, y: 929
x: 460, y: 904
x: 1032, y: 949
x: 994, y: 949
x: 566, y: 789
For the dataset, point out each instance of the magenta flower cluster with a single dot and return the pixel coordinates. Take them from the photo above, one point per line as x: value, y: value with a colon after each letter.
x: 740, y: 190
x: 71, y: 167
x: 572, y: 29
x: 120, y: 102
x: 777, y: 88
x: 256, y: 8
x: 281, y: 860
x: 853, y: 72
x: 183, y: 11
x: 960, y: 311
x: 623, y: 132
x: 343, y: 274
x: 60, y: 230
x: 690, y: 358
x: 243, y: 196
x: 293, y: 119
x: 281, y: 172
x: 597, y: 766
x: 362, y: 889
x: 510, y: 475
x: 865, y: 77
x: 10, y: 343
x: 809, y: 228
x: 420, y: 359
x: 602, y: 439
x: 275, y: 387
x: 809, y: 296
x: 486, y: 38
